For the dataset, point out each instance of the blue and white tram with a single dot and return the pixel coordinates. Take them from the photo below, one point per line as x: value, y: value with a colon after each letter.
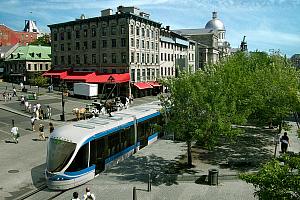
x: 79, y: 151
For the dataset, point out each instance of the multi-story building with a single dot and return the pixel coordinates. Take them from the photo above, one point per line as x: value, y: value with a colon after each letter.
x: 295, y: 59
x: 11, y: 37
x: 176, y: 53
x: 27, y: 61
x: 5, y: 51
x: 126, y: 42
x: 212, y: 45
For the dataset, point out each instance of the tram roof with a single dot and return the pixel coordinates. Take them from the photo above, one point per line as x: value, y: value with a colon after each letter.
x: 85, y: 130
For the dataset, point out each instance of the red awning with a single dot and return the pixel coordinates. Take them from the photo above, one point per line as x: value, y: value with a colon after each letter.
x: 56, y: 74
x: 154, y: 84
x: 109, y: 78
x: 142, y: 85
x: 79, y: 76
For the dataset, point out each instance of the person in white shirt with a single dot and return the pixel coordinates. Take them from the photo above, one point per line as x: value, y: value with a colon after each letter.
x: 88, y: 195
x: 15, y: 135
x: 26, y: 105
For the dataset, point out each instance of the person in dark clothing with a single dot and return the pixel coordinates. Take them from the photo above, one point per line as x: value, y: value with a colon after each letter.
x: 51, y: 128
x: 284, y: 142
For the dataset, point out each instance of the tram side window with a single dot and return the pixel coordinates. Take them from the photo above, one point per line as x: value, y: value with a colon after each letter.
x: 142, y: 130
x: 114, y: 143
x: 81, y: 159
x: 127, y: 137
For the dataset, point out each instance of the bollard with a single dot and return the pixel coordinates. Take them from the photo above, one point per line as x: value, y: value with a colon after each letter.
x: 134, y: 193
x: 149, y: 182
x: 13, y: 122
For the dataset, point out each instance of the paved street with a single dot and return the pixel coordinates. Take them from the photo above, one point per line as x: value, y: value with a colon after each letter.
x: 22, y: 165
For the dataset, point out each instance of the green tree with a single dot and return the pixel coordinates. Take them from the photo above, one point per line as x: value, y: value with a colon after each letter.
x: 277, y: 180
x: 43, y: 41
x: 203, y: 106
x: 39, y: 81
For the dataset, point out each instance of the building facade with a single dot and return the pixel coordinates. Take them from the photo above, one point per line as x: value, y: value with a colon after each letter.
x: 27, y: 61
x: 295, y: 59
x: 124, y: 42
x: 211, y: 41
x: 10, y: 37
x: 176, y: 53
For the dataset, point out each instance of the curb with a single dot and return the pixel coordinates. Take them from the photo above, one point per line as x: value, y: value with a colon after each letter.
x: 13, y: 111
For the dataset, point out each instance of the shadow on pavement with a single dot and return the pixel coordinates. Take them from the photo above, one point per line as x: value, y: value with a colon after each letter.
x: 137, y: 168
x: 246, y: 152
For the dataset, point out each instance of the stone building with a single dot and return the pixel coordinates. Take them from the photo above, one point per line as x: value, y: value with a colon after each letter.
x: 211, y: 42
x: 295, y: 59
x: 176, y: 53
x: 126, y: 42
x: 27, y: 61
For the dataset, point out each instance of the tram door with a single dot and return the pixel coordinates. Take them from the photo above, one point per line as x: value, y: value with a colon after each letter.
x: 97, y: 156
x: 142, y: 134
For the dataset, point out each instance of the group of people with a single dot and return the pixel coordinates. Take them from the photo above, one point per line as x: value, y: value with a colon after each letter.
x: 41, y: 128
x: 8, y: 96
x: 36, y: 110
x: 86, y: 196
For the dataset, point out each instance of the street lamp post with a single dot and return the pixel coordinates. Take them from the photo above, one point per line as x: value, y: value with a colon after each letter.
x: 62, y: 117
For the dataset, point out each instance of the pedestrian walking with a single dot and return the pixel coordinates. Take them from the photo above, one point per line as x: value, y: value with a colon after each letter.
x: 285, y: 141
x: 32, y: 120
x: 29, y: 108
x: 15, y: 134
x: 22, y: 100
x: 37, y: 114
x: 38, y: 106
x: 75, y: 196
x: 88, y: 195
x: 4, y: 96
x: 21, y: 86
x: 26, y: 104
x: 14, y: 92
x: 42, y: 114
x: 9, y: 96
x: 42, y: 133
x: 48, y: 112
x: 51, y: 128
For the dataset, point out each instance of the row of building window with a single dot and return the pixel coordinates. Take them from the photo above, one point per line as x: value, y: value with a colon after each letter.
x: 143, y: 32
x: 167, y: 45
x: 143, y: 44
x: 36, y: 67
x: 144, y: 58
x: 89, y: 32
x: 170, y: 57
x: 92, y: 59
x: 85, y: 45
x: 142, y: 76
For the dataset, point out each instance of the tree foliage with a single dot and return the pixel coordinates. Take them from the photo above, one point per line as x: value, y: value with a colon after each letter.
x: 39, y: 81
x: 277, y: 180
x: 204, y: 106
x: 43, y: 41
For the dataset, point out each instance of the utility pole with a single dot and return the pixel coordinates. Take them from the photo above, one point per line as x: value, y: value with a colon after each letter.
x: 62, y: 117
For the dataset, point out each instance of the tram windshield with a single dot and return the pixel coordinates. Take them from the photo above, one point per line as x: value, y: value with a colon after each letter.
x: 59, y: 154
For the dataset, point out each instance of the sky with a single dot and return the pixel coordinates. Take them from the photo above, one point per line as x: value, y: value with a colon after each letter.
x: 269, y: 25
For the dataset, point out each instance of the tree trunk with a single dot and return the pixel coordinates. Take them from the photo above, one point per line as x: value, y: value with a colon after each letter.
x: 189, y: 151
